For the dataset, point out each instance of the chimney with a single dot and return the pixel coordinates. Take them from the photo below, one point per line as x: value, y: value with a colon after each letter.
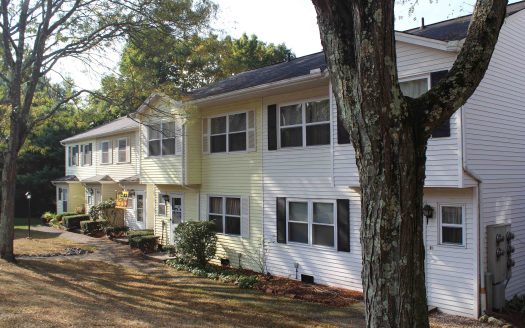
x: 422, y: 23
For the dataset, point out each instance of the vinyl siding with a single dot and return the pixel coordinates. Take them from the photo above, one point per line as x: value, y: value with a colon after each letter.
x: 75, y: 197
x: 236, y: 174
x: 82, y: 171
x: 130, y: 216
x: 494, y: 119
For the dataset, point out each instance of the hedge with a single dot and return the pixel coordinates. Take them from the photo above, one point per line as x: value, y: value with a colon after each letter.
x: 60, y: 216
x: 147, y: 243
x: 73, y: 221
x: 113, y: 232
x: 138, y: 233
x: 195, y: 242
x: 90, y: 226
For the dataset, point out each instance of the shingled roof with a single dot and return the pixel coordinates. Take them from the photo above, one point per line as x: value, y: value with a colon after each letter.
x: 121, y: 124
x: 456, y: 28
x: 449, y: 30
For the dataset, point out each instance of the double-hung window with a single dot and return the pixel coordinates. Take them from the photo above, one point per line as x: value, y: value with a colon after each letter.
x: 161, y: 139
x: 228, y: 133
x: 311, y: 222
x: 74, y: 156
x: 87, y: 154
x: 226, y: 213
x: 161, y: 205
x: 122, y: 154
x: 305, y: 124
x: 105, y: 152
x: 452, y: 222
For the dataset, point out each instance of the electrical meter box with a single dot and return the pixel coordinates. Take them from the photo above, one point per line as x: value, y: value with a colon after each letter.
x: 499, y: 260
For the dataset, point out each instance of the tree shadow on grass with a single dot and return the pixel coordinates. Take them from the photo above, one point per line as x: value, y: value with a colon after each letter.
x: 95, y: 292
x: 22, y: 233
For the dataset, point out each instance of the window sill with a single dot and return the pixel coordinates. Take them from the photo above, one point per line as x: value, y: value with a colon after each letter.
x: 228, y: 235
x: 299, y: 148
x: 161, y: 157
x: 120, y: 163
x: 310, y: 246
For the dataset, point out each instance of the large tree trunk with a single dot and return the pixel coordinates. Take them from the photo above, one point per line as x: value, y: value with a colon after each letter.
x: 389, y: 133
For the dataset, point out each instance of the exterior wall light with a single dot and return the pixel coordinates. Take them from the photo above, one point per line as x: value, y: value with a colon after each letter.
x: 428, y: 212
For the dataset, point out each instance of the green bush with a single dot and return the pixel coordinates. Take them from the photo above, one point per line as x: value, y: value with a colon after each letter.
x: 247, y: 282
x: 517, y: 304
x: 60, y: 216
x: 116, y: 232
x: 138, y: 233
x: 47, y: 217
x: 170, y: 249
x: 95, y: 211
x: 147, y: 244
x: 89, y: 226
x: 73, y: 221
x: 196, y: 242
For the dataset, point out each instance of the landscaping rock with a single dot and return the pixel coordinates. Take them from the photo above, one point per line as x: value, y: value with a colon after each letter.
x: 495, y: 322
x: 268, y: 291
x: 506, y: 326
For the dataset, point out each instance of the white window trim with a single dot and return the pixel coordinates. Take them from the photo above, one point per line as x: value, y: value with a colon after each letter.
x: 310, y: 221
x: 110, y: 152
x: 159, y: 196
x: 463, y: 225
x: 181, y: 196
x: 161, y: 123
x: 127, y: 159
x: 227, y: 115
x: 223, y: 214
x: 71, y: 154
x: 84, y: 154
x: 303, y: 122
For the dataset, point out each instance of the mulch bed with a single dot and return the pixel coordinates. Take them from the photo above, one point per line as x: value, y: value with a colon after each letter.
x: 308, y: 292
x: 515, y: 318
x: 67, y: 252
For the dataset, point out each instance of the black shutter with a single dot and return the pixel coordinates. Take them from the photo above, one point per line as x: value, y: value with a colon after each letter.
x: 272, y: 127
x: 281, y: 220
x: 442, y: 131
x: 343, y: 136
x: 343, y: 225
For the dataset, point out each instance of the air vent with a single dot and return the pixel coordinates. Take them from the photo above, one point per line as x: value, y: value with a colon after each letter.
x: 307, y: 279
x: 225, y: 262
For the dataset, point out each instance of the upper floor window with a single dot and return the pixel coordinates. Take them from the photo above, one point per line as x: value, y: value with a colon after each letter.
x: 87, y: 154
x: 73, y: 155
x: 229, y: 133
x: 305, y: 124
x: 311, y: 222
x: 452, y: 222
x: 161, y: 139
x: 105, y: 152
x: 123, y: 150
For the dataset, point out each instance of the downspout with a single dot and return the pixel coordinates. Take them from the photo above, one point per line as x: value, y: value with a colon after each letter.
x: 481, y: 293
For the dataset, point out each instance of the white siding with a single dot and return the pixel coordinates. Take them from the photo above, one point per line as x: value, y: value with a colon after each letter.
x: 82, y: 171
x: 495, y: 141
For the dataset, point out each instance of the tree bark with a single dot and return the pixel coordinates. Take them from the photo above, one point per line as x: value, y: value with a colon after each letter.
x: 389, y: 133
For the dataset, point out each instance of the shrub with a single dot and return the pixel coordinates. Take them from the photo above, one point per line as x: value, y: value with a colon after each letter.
x: 54, y: 222
x: 89, y: 226
x: 116, y: 232
x: 170, y: 249
x: 95, y: 211
x: 73, y: 221
x: 147, y: 244
x: 196, y: 242
x: 247, y: 282
x: 517, y: 304
x: 139, y: 233
x: 61, y: 215
x: 47, y: 217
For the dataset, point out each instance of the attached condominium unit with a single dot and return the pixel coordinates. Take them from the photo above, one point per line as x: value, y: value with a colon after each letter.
x: 263, y: 155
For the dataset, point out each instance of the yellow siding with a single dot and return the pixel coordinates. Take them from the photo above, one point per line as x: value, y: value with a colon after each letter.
x: 109, y: 191
x: 76, y: 196
x: 193, y: 147
x: 237, y: 174
x: 150, y: 206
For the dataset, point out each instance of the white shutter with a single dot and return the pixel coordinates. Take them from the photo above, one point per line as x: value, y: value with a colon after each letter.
x: 128, y: 149
x: 204, y: 216
x: 245, y: 217
x: 205, y: 139
x: 179, y: 135
x: 252, y: 145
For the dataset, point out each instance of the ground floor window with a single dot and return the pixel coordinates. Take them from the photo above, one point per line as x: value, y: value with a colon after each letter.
x: 226, y: 213
x: 311, y: 222
x: 452, y: 224
x: 62, y: 198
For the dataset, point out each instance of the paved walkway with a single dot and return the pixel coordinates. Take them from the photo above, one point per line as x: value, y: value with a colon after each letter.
x: 108, y: 251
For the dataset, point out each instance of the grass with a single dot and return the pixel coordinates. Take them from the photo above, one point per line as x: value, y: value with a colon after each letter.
x: 40, y: 242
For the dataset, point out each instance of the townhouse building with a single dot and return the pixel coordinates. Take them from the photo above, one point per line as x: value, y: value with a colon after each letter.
x: 264, y: 156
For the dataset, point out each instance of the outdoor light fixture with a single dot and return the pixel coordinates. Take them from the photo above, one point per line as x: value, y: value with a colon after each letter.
x: 28, y: 197
x: 131, y: 193
x: 428, y: 211
x: 296, y: 266
x: 90, y: 191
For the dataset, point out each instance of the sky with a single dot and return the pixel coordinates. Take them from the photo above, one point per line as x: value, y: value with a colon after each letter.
x: 290, y: 21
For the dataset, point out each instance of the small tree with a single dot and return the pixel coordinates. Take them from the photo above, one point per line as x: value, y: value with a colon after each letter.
x: 196, y: 242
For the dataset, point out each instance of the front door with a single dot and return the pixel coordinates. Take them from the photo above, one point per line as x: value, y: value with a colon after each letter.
x: 176, y: 214
x: 140, y: 210
x: 63, y: 196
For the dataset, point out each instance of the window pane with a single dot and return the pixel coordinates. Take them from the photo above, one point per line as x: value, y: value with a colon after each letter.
x: 122, y: 156
x: 168, y: 130
x: 233, y: 225
x: 323, y: 213
x: 218, y: 221
x: 414, y: 88
x: 323, y: 235
x: 292, y: 137
x: 154, y: 131
x: 122, y: 143
x: 105, y: 146
x: 168, y: 146
x: 237, y: 122
x: 298, y: 211
x: 317, y: 111
x: 318, y: 134
x: 105, y: 157
x: 218, y: 125
x: 451, y: 215
x: 233, y: 206
x: 291, y: 115
x: 298, y: 232
x: 154, y: 148
x: 161, y: 206
x: 218, y: 144
x: 215, y: 205
x: 452, y: 235
x: 237, y: 141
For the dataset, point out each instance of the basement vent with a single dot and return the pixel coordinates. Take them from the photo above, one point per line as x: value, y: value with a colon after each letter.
x: 225, y: 262
x: 307, y: 279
